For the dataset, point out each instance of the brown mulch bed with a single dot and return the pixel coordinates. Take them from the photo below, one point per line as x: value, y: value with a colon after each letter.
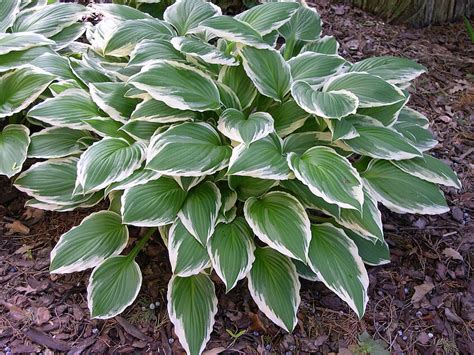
x: 423, y: 301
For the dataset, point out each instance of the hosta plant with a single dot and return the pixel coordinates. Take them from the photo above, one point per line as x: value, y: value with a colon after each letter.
x: 247, y: 143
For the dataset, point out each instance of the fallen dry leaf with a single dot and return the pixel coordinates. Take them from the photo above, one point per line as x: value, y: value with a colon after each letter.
x: 257, y: 323
x: 214, y: 351
x: 453, y: 254
x: 42, y: 315
x: 421, y: 291
x: 33, y: 215
x: 16, y: 227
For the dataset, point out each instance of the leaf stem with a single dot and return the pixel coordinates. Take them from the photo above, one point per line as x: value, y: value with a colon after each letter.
x: 289, y: 47
x: 136, y: 249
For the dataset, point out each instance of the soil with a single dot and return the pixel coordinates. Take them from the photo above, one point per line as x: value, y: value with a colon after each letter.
x: 422, y: 302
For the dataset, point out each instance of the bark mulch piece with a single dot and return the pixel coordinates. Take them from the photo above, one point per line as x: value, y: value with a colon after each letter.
x: 423, y: 301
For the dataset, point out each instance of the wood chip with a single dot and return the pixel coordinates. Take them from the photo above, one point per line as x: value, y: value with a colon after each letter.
x: 41, y: 338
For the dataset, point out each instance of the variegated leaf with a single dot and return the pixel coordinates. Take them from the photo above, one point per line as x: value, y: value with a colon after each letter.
x: 155, y: 203
x: 200, y: 210
x: 329, y: 176
x: 188, y: 149
x: 108, y: 161
x: 187, y: 255
x: 14, y: 141
x: 99, y: 236
x: 234, y: 125
x: 334, y: 258
x: 231, y: 250
x: 275, y: 288
x: 402, y: 192
x: 280, y: 220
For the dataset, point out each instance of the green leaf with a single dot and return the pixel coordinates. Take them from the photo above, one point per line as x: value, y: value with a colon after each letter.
x: 228, y: 97
x: 372, y: 252
x: 71, y: 108
x: 205, y: 51
x: 392, y: 69
x: 261, y: 159
x: 246, y: 186
x: 325, y: 45
x: 372, y: 91
x: 68, y: 35
x: 157, y: 111
x: 148, y: 51
x: 304, y: 271
x: 308, y: 199
x: 236, y: 79
x: 280, y: 220
x: 304, y: 25
x: 200, y: 210
x: 231, y: 250
x: 232, y: 30
x: 430, y: 169
x: 52, y: 181
x: 329, y: 176
x: 14, y: 141
x: 8, y: 12
x: 49, y: 20
x: 192, y: 306
x: 113, y: 286
x: 56, y: 142
x: 332, y: 104
x: 420, y: 137
x: 155, y: 203
x: 342, y: 129
x: 10, y: 42
x: 110, y: 98
x: 188, y: 182
x: 300, y: 142
x: 178, y: 85
x: 288, y: 117
x: 380, y: 142
x: 187, y: 255
x: 138, y: 177
x: 99, y: 236
x: 186, y: 15
x: 234, y: 125
x: 20, y: 88
x: 402, y: 192
x: 108, y: 161
x: 368, y: 222
x: 91, y: 201
x: 315, y: 68
x: 334, y: 258
x: 125, y: 37
x: 409, y: 115
x: 387, y: 114
x: 87, y: 72
x: 268, y: 17
x: 188, y: 149
x: 120, y: 12
x: 20, y: 59
x: 56, y: 65
x: 268, y: 71
x: 274, y: 286
x: 141, y: 129
x: 105, y: 127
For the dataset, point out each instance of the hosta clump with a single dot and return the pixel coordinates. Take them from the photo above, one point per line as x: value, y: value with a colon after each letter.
x: 255, y: 149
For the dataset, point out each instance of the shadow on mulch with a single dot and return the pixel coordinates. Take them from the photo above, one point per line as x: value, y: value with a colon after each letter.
x: 423, y: 301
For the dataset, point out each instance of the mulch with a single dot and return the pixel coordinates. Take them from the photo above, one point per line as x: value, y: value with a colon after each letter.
x: 422, y: 302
